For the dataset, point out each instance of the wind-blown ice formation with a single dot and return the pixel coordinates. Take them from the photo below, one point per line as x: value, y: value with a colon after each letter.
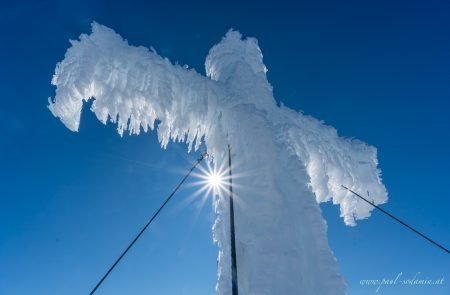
x: 295, y: 161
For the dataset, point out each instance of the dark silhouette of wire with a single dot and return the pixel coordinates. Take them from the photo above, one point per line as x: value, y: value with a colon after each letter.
x: 147, y: 225
x: 234, y: 274
x: 398, y: 220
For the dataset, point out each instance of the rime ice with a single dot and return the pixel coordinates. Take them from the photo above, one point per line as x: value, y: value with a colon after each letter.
x: 295, y: 161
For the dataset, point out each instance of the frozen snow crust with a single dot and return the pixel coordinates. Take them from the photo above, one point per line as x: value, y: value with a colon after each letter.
x: 285, y: 162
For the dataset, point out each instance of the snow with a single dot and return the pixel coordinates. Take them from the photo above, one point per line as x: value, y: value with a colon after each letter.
x: 285, y: 162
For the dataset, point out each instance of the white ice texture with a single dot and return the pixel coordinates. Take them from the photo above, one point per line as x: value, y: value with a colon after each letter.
x: 289, y: 161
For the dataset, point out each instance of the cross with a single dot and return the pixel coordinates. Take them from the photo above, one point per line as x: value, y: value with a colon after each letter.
x: 285, y: 162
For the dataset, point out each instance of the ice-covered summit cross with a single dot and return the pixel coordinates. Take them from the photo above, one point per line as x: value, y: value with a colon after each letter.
x: 294, y: 160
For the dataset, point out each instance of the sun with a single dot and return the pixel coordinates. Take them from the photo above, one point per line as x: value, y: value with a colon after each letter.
x: 212, y: 180
x: 215, y: 180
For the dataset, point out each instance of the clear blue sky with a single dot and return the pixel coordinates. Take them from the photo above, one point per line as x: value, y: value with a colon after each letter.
x: 70, y: 202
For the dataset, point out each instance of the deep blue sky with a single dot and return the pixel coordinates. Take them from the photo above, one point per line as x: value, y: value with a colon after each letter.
x: 70, y: 202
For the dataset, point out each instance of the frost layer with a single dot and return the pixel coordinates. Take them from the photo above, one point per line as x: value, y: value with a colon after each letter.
x: 289, y: 162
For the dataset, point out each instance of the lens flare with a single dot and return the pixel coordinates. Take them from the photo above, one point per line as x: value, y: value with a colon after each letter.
x: 212, y: 180
x: 215, y: 180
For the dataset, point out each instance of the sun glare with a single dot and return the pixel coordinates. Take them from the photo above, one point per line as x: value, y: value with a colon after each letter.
x: 215, y: 180
x: 212, y: 180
